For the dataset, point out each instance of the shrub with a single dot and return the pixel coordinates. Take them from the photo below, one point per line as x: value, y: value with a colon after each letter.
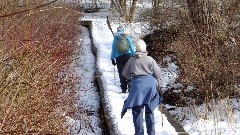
x: 206, y: 47
x: 37, y: 89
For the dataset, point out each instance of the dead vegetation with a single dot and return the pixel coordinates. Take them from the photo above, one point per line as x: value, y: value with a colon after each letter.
x: 205, y: 43
x: 37, y: 44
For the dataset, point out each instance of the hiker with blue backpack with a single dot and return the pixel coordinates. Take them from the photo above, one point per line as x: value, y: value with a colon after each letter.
x: 122, y: 51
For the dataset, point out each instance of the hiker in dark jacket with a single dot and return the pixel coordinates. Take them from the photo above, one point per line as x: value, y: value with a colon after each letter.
x: 145, y: 74
x: 120, y: 59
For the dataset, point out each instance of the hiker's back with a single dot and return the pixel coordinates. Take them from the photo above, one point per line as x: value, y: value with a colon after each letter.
x: 122, y: 44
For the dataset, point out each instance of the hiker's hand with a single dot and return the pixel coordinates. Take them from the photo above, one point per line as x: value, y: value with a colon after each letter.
x: 159, y: 88
x: 113, y: 62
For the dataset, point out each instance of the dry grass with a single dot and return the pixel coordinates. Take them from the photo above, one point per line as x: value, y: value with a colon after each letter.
x: 207, y: 53
x: 36, y: 88
x: 206, y: 47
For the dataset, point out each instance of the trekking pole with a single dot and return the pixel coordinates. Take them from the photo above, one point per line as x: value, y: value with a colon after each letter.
x: 161, y: 108
x: 114, y: 75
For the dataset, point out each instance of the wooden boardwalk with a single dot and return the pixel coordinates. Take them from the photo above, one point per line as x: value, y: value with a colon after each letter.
x: 107, y: 115
x: 172, y: 120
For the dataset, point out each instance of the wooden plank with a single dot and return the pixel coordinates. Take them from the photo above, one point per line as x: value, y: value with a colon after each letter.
x: 173, y: 121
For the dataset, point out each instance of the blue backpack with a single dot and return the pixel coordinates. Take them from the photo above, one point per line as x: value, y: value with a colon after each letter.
x: 122, y: 44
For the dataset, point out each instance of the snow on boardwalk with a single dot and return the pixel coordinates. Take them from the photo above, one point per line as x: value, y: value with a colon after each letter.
x: 102, y: 39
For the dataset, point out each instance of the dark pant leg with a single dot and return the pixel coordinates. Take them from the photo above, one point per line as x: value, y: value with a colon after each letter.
x: 123, y: 83
x: 137, y: 112
x: 149, y: 118
x: 121, y: 61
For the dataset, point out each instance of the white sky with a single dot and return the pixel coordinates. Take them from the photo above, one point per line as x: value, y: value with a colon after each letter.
x: 227, y: 121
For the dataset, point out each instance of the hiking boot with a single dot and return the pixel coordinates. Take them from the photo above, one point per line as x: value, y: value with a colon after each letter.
x: 124, y: 91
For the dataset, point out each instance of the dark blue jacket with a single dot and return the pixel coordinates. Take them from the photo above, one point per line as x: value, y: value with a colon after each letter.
x: 142, y: 92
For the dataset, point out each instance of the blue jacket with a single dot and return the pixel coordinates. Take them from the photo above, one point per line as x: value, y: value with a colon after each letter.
x: 115, y: 53
x: 142, y: 92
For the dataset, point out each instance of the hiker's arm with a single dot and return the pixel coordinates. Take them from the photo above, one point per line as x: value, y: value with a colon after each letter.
x: 113, y: 48
x: 157, y: 74
x: 131, y: 45
x: 156, y: 69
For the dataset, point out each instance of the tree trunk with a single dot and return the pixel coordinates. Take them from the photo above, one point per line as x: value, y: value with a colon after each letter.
x: 132, y: 11
x: 121, y: 7
x: 198, y: 16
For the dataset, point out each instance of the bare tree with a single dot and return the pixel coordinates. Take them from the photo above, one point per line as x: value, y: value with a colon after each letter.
x: 125, y: 11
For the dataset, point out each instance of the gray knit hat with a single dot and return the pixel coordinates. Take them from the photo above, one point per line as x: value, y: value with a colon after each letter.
x: 141, y: 46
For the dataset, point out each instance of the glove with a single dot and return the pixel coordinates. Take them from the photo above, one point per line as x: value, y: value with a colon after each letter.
x: 113, y: 62
x: 160, y: 90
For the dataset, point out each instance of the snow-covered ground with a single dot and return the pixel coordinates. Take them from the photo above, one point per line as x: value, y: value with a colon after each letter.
x: 102, y: 39
x: 224, y: 122
x: 88, y: 121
